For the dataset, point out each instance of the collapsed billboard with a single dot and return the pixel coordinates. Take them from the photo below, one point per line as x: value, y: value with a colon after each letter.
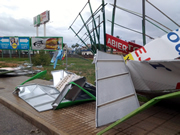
x: 120, y: 45
x: 46, y: 43
x: 14, y: 43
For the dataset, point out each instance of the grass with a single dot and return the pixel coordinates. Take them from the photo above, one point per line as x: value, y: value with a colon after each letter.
x: 82, y: 67
x: 79, y: 66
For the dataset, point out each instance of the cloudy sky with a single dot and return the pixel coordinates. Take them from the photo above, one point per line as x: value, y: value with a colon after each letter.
x: 16, y: 18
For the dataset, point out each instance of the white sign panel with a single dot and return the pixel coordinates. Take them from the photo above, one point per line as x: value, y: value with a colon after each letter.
x: 155, y: 75
x: 115, y: 93
x: 46, y: 43
x: 41, y: 18
x: 165, y: 48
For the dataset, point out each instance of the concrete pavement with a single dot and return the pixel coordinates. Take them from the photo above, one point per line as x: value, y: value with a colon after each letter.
x: 162, y: 119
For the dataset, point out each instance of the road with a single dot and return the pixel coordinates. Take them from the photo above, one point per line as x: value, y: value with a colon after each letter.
x: 13, y: 124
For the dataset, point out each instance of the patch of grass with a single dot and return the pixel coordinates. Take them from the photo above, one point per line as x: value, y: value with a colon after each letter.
x: 76, y: 65
x: 14, y: 59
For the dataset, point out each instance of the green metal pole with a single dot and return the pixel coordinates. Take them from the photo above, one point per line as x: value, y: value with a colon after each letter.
x: 140, y: 109
x: 94, y: 33
x: 10, y: 53
x: 99, y: 26
x: 2, y: 53
x: 19, y: 53
x: 156, y: 26
x: 80, y: 39
x: 143, y: 23
x: 112, y: 24
x: 92, y: 42
x: 104, y: 25
x: 163, y: 13
x: 140, y: 15
x: 98, y: 36
x: 133, y: 30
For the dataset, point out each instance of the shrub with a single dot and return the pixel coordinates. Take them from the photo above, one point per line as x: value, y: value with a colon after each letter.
x: 41, y: 59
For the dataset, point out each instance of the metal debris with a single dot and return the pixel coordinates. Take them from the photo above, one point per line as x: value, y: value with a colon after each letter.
x: 68, y: 89
x: 21, y: 70
x: 116, y: 96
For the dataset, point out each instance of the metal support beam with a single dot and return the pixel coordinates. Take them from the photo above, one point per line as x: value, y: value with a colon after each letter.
x: 94, y: 33
x: 132, y: 30
x: 104, y: 24
x: 140, y: 15
x: 98, y: 36
x: 143, y: 22
x: 112, y: 24
x: 92, y: 42
x: 19, y: 52
x: 163, y: 13
x: 10, y: 52
x: 2, y: 53
x: 80, y: 39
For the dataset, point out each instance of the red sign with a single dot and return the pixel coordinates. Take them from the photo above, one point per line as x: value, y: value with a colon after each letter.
x: 120, y: 45
x: 133, y: 46
x: 117, y: 44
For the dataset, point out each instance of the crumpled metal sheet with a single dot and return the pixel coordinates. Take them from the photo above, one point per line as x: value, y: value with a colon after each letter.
x: 61, y: 78
x: 9, y: 71
x: 40, y: 97
x: 43, y: 98
x: 69, y: 92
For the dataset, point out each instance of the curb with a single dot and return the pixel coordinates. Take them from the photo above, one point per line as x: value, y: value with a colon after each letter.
x: 36, y: 121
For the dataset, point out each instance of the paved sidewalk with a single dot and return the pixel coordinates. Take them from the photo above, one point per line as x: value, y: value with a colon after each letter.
x: 80, y: 119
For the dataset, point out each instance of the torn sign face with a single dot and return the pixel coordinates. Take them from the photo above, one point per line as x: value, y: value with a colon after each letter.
x: 117, y: 44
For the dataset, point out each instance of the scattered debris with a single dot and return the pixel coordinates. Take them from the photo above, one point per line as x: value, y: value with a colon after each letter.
x: 39, y: 66
x: 36, y: 131
x: 68, y: 89
x: 116, y: 96
x: 21, y: 70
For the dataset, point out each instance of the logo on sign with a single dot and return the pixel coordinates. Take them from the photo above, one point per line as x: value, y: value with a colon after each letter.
x: 174, y: 38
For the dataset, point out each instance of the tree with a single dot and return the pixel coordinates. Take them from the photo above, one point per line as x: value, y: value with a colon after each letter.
x: 77, y: 45
x: 73, y: 46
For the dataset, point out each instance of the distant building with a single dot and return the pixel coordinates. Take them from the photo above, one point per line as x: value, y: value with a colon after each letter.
x: 86, y: 52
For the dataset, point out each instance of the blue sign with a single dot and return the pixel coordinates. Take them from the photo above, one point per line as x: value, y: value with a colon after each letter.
x: 14, y: 43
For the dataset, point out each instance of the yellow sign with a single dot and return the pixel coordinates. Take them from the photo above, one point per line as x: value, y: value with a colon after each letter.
x: 128, y: 57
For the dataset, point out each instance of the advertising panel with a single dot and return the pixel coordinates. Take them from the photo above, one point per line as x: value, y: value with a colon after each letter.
x: 37, y: 20
x: 133, y: 46
x: 14, y: 43
x: 41, y: 18
x: 117, y: 44
x: 165, y: 48
x: 120, y: 45
x: 46, y: 43
x: 44, y: 17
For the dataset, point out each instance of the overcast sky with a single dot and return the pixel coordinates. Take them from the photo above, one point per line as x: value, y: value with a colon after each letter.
x: 16, y: 18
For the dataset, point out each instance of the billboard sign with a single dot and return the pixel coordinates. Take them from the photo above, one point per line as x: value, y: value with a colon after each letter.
x: 41, y: 18
x: 117, y: 44
x: 166, y: 47
x: 133, y: 46
x: 37, y: 20
x: 120, y: 45
x: 14, y: 43
x: 46, y: 43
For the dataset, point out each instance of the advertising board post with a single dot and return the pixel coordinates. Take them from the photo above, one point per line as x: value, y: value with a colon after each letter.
x: 10, y: 55
x: 2, y: 53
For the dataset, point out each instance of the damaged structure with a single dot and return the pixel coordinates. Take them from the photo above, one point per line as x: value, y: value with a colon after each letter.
x: 68, y: 89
